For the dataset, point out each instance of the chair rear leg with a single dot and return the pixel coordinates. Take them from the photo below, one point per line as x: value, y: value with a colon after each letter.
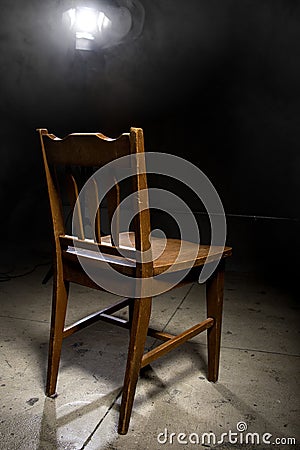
x: 130, y: 312
x: 214, y: 301
x: 139, y: 328
x: 59, y: 307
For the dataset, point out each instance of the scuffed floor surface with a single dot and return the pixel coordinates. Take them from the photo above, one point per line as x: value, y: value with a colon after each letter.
x: 257, y: 391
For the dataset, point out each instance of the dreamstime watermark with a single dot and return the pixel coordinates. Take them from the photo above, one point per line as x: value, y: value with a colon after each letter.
x: 240, y: 436
x: 159, y: 199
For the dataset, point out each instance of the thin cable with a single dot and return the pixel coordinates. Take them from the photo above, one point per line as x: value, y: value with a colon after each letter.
x: 5, y: 276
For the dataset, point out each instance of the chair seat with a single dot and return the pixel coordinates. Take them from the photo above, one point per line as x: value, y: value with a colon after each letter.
x: 165, y: 253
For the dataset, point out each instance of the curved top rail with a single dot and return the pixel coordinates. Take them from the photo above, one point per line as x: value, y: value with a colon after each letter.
x: 84, y: 149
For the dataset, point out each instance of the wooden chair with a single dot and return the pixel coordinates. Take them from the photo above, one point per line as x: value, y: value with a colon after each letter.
x: 92, y: 150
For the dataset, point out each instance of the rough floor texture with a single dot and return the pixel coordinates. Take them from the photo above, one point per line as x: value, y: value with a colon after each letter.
x: 258, y: 387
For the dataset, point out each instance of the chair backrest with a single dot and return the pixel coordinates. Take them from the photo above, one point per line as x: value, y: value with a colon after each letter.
x: 74, y: 158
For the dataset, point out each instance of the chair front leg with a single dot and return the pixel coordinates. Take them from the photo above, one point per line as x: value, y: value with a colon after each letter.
x: 59, y: 307
x: 214, y: 301
x: 139, y: 328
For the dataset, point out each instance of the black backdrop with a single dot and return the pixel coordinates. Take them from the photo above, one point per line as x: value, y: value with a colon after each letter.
x: 213, y: 81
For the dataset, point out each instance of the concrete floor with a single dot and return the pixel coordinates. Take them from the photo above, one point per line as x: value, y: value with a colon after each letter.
x: 258, y: 383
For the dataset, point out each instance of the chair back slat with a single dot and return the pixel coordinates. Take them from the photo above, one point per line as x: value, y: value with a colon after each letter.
x: 88, y: 152
x: 93, y: 205
x: 113, y: 202
x: 72, y: 190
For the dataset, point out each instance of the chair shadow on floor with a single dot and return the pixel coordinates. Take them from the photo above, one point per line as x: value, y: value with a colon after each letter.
x: 50, y: 424
x: 152, y: 385
x: 82, y: 342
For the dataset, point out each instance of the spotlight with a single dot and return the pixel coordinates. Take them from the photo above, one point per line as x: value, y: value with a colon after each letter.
x: 103, y: 24
x: 86, y: 23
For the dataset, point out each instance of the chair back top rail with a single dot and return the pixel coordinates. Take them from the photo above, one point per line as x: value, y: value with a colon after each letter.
x: 84, y: 149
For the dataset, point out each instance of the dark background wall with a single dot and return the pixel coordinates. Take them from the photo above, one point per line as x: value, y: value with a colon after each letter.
x: 213, y: 81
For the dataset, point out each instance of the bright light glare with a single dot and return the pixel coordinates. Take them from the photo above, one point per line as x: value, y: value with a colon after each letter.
x: 86, y: 20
